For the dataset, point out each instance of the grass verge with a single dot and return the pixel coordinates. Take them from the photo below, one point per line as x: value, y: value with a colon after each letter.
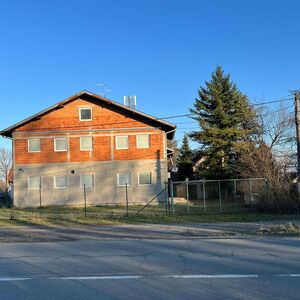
x: 104, y: 215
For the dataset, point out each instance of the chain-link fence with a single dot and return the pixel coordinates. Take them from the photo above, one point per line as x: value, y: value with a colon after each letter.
x: 189, y: 197
x: 216, y: 196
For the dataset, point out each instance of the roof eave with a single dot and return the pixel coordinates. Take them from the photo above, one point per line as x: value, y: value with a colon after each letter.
x: 169, y: 127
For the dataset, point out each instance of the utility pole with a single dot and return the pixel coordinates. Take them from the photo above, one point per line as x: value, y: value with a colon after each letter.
x: 297, y: 120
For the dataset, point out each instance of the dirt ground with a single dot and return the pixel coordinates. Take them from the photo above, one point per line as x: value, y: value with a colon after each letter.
x: 31, y: 234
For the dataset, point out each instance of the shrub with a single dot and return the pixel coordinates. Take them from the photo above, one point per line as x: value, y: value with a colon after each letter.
x: 280, y: 200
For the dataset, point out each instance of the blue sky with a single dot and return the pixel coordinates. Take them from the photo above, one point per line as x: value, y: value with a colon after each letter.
x: 160, y: 50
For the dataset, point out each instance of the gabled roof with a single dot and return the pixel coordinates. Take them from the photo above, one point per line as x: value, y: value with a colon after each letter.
x: 165, y: 126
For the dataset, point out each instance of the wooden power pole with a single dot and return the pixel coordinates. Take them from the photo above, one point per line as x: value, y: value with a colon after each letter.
x: 297, y: 120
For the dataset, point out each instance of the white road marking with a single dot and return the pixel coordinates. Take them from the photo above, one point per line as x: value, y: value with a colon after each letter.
x: 129, y: 277
x: 288, y: 275
x: 14, y: 278
x: 98, y: 277
x: 213, y: 276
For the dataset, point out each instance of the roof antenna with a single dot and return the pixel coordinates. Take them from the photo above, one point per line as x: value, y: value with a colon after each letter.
x: 130, y: 101
x: 104, y: 89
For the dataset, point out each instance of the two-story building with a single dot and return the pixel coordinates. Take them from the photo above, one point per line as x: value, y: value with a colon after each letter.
x: 88, y: 142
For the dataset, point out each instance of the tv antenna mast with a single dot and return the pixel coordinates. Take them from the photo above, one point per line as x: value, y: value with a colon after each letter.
x: 104, y: 89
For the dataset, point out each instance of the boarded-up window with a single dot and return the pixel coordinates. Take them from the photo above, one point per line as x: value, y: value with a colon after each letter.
x: 86, y: 143
x: 87, y: 180
x: 145, y: 178
x: 60, y: 144
x: 124, y: 178
x: 34, y: 183
x: 142, y: 141
x: 122, y: 142
x: 60, y: 182
x: 34, y: 145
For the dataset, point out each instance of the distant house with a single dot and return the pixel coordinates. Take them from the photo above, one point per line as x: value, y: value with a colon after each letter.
x: 88, y: 141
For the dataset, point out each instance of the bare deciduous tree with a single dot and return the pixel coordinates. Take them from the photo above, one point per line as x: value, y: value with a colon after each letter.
x: 278, y: 130
x: 273, y: 158
x: 280, y: 136
x: 5, y: 165
x: 273, y: 154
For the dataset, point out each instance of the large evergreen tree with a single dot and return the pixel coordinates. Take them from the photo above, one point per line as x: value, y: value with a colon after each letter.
x: 227, y: 125
x: 185, y: 160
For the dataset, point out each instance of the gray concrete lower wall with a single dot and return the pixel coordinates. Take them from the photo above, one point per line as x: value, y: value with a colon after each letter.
x: 105, y: 191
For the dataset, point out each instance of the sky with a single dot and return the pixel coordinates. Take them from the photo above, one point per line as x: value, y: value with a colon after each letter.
x: 162, y: 51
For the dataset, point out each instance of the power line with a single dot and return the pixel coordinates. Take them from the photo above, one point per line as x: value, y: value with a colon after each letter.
x: 254, y: 104
x: 161, y: 118
x: 189, y: 122
x: 181, y: 128
x: 266, y: 114
x: 178, y: 116
x: 276, y: 111
x: 270, y: 102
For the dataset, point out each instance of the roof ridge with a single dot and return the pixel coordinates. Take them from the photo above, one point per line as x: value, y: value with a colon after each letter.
x: 8, y: 131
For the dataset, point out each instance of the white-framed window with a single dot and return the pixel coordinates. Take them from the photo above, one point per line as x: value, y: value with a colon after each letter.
x: 86, y: 143
x: 143, y: 141
x: 122, y: 142
x: 87, y: 180
x: 124, y: 178
x: 85, y: 114
x: 145, y: 178
x: 60, y: 182
x: 60, y: 144
x: 34, y: 145
x: 34, y: 183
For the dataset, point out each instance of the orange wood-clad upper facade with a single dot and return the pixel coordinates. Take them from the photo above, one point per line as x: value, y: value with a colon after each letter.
x: 108, y: 121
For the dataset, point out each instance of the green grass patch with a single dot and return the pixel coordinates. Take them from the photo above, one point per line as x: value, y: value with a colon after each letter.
x: 104, y: 215
x: 109, y: 215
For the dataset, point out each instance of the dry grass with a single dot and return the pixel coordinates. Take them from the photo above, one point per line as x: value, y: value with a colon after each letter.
x: 104, y: 215
x: 285, y: 229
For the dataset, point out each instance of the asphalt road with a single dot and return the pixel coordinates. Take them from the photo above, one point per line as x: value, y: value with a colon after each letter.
x: 245, y: 268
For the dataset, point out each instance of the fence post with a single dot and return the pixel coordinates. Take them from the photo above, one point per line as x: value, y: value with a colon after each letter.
x: 126, y: 192
x: 40, y: 193
x: 251, y: 196
x: 168, y: 195
x: 12, y: 213
x: 172, y: 197
x: 235, y: 200
x: 220, y: 197
x: 167, y: 199
x: 187, y: 194
x: 84, y: 193
x: 204, y: 197
x: 267, y: 190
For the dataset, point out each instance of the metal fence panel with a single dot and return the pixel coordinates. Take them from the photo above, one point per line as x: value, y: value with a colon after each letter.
x: 216, y: 196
